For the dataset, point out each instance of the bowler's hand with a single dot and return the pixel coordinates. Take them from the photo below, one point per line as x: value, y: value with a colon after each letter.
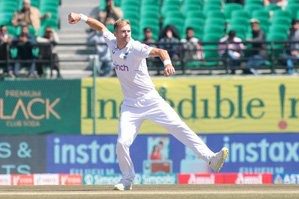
x: 169, y: 70
x: 74, y: 18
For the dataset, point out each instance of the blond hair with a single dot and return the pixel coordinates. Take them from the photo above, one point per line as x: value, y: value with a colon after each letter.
x: 120, y: 23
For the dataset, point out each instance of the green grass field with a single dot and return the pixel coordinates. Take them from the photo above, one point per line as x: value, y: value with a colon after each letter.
x: 152, y: 192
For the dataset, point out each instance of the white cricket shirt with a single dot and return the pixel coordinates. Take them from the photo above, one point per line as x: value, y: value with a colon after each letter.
x: 131, y: 69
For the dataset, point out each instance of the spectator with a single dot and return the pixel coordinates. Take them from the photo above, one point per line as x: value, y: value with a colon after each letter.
x: 169, y: 40
x: 103, y: 59
x: 24, y: 44
x: 257, y: 54
x: 28, y: 15
x: 5, y: 40
x: 31, y: 37
x: 192, y: 46
x: 152, y: 62
x: 294, y: 47
x: 148, y: 37
x: 281, y: 3
x: 110, y: 14
x: 47, y: 52
x: 231, y: 50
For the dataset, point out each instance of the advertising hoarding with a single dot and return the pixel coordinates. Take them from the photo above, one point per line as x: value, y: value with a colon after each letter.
x: 40, y: 106
x: 249, y: 153
x: 209, y: 105
x: 22, y: 154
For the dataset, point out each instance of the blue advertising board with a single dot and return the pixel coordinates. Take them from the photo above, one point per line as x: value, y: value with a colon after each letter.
x: 259, y: 153
x: 249, y: 153
x: 22, y: 154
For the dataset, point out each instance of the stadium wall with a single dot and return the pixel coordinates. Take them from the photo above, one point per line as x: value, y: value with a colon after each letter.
x: 44, y: 126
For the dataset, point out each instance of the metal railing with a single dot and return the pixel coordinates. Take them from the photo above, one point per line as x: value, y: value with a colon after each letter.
x: 276, y: 52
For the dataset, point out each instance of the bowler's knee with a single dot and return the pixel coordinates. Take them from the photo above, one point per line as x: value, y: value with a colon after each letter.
x: 122, y: 146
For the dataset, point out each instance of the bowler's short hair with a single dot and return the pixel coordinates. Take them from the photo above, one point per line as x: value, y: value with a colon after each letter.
x: 120, y: 23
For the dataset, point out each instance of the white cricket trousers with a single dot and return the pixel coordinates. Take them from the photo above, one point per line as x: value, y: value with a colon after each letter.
x: 160, y: 112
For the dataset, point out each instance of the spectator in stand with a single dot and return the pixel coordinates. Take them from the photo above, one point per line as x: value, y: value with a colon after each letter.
x: 31, y: 37
x: 152, y: 62
x: 148, y: 37
x: 103, y: 59
x: 5, y: 40
x: 294, y: 37
x: 25, y: 58
x: 110, y: 14
x: 257, y: 54
x: 281, y: 3
x: 47, y: 52
x: 231, y: 48
x: 28, y: 15
x: 170, y: 41
x: 293, y: 47
x: 192, y: 46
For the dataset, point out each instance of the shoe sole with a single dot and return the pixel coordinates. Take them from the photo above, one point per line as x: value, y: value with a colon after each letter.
x: 125, y: 189
x: 224, y: 156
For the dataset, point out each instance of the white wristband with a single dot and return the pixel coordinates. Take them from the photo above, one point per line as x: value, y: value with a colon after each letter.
x: 83, y: 17
x: 166, y: 62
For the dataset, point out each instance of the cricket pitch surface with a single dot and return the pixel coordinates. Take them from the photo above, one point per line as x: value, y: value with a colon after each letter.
x: 152, y: 192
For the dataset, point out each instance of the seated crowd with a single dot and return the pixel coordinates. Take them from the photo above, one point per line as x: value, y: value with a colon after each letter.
x: 28, y: 49
x: 246, y: 55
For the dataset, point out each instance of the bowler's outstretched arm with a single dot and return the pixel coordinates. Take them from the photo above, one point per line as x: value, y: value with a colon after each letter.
x: 74, y: 18
x: 165, y: 58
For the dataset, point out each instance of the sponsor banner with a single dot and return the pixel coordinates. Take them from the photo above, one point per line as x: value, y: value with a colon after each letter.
x: 163, y: 154
x: 287, y: 179
x: 22, y: 154
x: 40, y: 179
x: 94, y: 179
x: 5, y: 180
x: 70, y: 179
x: 96, y: 155
x: 200, y: 178
x: 22, y: 180
x: 90, y: 179
x: 259, y: 153
x: 223, y: 105
x: 44, y: 106
x: 224, y: 178
x: 159, y: 179
x: 46, y: 179
x: 82, y: 154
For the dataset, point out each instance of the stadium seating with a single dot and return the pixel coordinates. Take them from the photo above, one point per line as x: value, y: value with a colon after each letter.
x: 240, y: 14
x: 254, y: 2
x: 293, y: 8
x: 195, y: 14
x: 9, y: 7
x: 229, y: 8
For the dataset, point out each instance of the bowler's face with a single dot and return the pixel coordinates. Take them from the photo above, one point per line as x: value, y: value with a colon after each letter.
x: 123, y: 33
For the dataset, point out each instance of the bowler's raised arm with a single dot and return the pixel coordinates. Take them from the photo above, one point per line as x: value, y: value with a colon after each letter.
x: 74, y: 18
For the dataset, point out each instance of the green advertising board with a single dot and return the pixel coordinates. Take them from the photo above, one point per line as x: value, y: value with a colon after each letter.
x: 40, y: 106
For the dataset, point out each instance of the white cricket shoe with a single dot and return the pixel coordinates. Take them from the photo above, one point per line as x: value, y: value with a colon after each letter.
x: 122, y: 187
x: 217, y: 161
